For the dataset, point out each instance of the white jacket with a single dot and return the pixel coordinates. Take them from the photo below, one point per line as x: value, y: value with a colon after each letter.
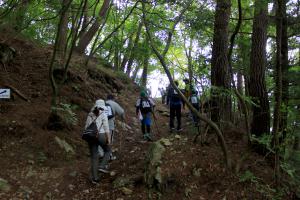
x: 101, y: 122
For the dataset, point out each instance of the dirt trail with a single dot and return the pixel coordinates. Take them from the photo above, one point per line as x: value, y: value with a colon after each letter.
x: 34, y: 166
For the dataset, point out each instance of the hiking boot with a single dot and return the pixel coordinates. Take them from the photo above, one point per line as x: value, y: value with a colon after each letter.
x: 95, y: 181
x: 172, y: 129
x: 179, y: 130
x: 103, y: 170
x: 147, y: 137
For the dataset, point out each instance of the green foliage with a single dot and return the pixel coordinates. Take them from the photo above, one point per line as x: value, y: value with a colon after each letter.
x: 264, y: 140
x: 248, y: 176
x: 265, y: 189
x: 65, y: 111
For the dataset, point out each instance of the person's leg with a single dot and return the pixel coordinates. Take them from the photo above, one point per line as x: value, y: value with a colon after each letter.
x: 112, y: 136
x: 172, y: 116
x: 178, y: 117
x: 103, y: 167
x: 143, y: 126
x: 94, y: 161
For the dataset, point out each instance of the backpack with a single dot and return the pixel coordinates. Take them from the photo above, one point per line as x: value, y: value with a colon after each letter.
x: 174, y: 96
x: 145, y: 106
x: 109, y: 111
x: 90, y: 134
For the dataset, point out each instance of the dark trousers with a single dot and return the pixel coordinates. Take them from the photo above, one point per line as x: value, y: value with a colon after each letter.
x: 175, y: 110
x: 144, y: 128
x: 195, y: 117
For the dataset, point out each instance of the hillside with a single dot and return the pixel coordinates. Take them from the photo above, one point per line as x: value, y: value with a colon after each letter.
x: 35, y: 166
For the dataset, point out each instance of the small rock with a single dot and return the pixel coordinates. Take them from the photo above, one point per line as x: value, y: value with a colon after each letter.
x: 86, y: 191
x: 31, y: 162
x: 4, y: 186
x: 165, y: 142
x: 126, y: 191
x: 64, y: 145
x: 177, y: 136
x: 47, y: 196
x: 112, y: 173
x: 71, y: 187
x: 73, y: 174
x: 119, y: 199
x: 184, y: 164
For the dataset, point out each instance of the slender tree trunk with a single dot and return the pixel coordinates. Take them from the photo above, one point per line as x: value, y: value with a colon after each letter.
x: 63, y: 32
x: 126, y: 54
x: 257, y: 87
x: 86, y: 38
x: 240, y: 87
x: 284, y: 68
x: 278, y: 90
x: 54, y: 85
x: 132, y: 52
x: 145, y: 65
x: 135, y: 72
x: 220, y: 77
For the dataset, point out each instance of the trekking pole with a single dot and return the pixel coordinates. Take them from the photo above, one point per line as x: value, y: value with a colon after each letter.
x: 154, y: 119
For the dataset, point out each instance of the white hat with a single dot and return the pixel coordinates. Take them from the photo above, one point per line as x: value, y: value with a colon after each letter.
x: 100, y: 104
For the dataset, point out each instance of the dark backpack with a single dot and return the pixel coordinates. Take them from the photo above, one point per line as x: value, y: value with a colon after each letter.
x: 109, y: 111
x: 145, y: 106
x: 90, y: 134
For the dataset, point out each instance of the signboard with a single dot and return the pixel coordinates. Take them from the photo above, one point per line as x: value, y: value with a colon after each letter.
x: 4, y: 93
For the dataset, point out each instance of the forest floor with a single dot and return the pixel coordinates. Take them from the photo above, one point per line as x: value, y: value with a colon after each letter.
x: 34, y: 165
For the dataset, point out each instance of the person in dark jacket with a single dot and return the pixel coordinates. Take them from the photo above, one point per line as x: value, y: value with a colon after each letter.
x: 175, y: 103
x: 144, y: 110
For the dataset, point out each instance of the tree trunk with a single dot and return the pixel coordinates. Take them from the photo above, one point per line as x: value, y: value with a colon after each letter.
x: 145, y: 64
x: 135, y: 72
x: 132, y: 52
x: 63, y: 31
x: 284, y: 68
x: 239, y: 86
x: 257, y: 86
x: 86, y: 38
x: 220, y: 77
x: 126, y: 53
x: 278, y: 89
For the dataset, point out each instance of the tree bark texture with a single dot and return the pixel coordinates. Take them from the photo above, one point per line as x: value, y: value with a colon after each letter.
x: 133, y: 50
x: 257, y: 87
x: 220, y: 76
x: 278, y: 88
x: 86, y: 37
x: 145, y: 65
x: 284, y: 71
x: 63, y: 31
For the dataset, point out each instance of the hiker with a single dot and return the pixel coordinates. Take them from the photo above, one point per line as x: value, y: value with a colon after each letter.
x: 116, y: 110
x: 174, y: 101
x: 97, y: 113
x: 163, y: 95
x: 144, y: 109
x: 194, y: 100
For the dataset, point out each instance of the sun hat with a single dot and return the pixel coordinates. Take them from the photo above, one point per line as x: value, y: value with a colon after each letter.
x: 100, y: 104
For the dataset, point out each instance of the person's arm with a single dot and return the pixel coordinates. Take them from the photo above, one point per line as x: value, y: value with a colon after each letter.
x: 88, y: 121
x: 137, y: 106
x: 119, y: 111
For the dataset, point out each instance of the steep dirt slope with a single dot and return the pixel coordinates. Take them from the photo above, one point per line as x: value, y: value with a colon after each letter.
x: 36, y: 167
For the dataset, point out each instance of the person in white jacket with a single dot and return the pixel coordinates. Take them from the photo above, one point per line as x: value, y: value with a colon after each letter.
x: 104, y: 140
